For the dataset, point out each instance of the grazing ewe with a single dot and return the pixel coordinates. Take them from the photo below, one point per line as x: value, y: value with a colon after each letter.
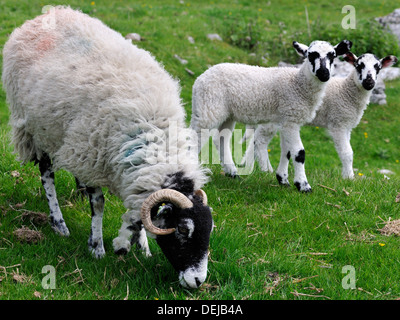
x: 342, y: 108
x: 84, y: 99
x: 286, y: 98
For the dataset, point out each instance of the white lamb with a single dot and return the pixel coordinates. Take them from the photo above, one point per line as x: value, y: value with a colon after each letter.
x: 342, y: 108
x: 286, y: 98
x: 84, y: 99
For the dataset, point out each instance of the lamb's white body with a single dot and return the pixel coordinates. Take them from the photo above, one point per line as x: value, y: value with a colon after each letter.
x: 341, y: 111
x: 286, y: 98
x: 98, y: 107
x: 253, y: 95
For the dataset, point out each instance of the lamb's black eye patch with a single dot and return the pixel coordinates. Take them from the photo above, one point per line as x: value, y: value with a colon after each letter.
x: 312, y: 56
x: 377, y: 67
x: 360, y: 66
x: 331, y: 56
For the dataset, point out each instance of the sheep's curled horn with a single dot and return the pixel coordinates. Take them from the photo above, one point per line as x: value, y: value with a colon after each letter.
x: 169, y: 195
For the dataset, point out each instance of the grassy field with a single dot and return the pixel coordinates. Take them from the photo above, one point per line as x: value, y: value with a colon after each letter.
x: 270, y: 242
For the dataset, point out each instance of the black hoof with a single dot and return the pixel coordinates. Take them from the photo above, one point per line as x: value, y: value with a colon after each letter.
x: 233, y: 176
x: 121, y: 252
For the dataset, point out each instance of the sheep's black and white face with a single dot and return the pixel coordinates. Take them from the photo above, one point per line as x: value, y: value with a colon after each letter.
x: 186, y: 248
x: 320, y: 56
x: 368, y: 66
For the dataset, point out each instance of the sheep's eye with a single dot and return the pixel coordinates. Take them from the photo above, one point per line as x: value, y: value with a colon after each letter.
x: 183, y: 230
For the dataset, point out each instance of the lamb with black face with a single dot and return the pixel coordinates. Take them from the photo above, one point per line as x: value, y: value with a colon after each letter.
x: 320, y: 56
x: 368, y: 66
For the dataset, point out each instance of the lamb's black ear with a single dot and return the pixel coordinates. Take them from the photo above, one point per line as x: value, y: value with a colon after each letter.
x: 350, y: 57
x: 343, y: 47
x: 388, y: 61
x: 300, y: 48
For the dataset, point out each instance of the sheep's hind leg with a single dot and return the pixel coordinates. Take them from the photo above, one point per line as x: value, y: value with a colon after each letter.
x: 263, y: 136
x: 95, y: 242
x: 81, y: 188
x: 282, y: 170
x: 223, y: 141
x: 47, y: 177
x: 341, y: 138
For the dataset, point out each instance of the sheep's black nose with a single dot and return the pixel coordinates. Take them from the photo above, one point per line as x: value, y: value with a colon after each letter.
x: 323, y: 74
x: 368, y: 83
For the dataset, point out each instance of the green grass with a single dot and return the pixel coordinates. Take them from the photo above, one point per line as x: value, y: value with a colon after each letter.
x: 270, y: 242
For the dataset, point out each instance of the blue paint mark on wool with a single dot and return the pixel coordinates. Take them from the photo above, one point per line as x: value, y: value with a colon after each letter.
x: 130, y: 152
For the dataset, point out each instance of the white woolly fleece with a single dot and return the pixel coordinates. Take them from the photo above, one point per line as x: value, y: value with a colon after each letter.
x: 90, y: 99
x: 252, y: 95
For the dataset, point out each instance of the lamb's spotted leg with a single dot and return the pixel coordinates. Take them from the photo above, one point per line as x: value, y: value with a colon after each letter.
x: 47, y: 176
x: 131, y: 232
x: 95, y: 242
x: 292, y: 147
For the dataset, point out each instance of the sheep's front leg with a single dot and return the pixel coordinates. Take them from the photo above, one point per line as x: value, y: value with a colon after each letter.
x: 47, y: 177
x: 131, y: 232
x: 95, y: 242
x: 341, y: 138
x: 292, y: 147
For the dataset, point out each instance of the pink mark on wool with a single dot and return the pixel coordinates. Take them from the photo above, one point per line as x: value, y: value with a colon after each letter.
x: 38, y: 36
x: 46, y: 43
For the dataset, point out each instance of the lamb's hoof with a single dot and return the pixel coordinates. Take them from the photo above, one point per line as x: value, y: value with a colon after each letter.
x: 233, y: 176
x: 59, y: 227
x: 282, y: 180
x: 303, y: 187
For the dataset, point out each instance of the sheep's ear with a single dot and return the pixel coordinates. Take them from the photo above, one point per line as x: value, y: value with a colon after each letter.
x: 300, y: 48
x: 350, y: 57
x: 388, y: 61
x: 343, y: 47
